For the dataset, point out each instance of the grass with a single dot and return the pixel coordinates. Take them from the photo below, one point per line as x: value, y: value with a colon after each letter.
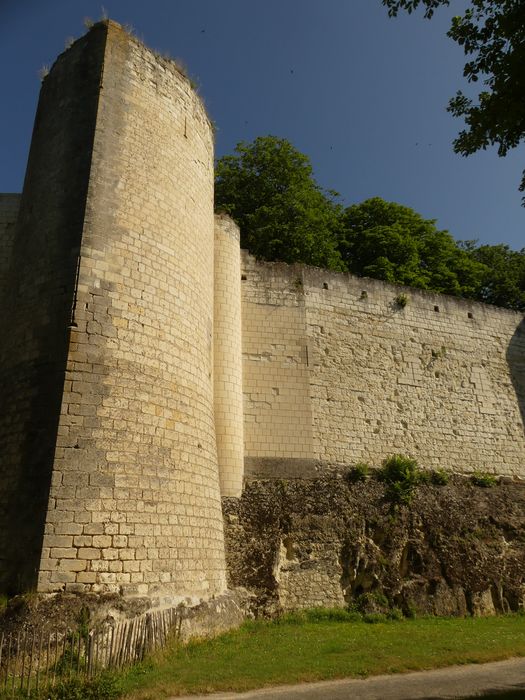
x: 320, y: 646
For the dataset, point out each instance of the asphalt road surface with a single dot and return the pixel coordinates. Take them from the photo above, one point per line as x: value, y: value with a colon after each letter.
x: 476, y: 680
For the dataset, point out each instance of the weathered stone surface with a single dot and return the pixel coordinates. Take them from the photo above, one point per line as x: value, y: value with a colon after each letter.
x: 107, y: 423
x: 334, y: 372
x: 63, y: 612
x: 456, y: 549
x: 214, y: 616
x: 141, y: 373
x: 227, y: 356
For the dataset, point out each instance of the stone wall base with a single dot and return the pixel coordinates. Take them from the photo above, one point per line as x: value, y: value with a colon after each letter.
x: 63, y: 612
x: 455, y: 549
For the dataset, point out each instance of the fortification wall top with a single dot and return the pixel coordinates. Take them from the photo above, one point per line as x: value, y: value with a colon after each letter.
x: 293, y: 276
x: 388, y: 369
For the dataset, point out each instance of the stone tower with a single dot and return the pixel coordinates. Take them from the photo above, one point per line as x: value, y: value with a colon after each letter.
x: 107, y: 424
x: 229, y: 414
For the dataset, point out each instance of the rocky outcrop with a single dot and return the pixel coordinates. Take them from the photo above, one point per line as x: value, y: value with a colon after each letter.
x: 62, y: 613
x: 456, y: 549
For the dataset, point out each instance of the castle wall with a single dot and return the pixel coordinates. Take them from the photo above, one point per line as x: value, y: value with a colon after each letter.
x: 277, y: 406
x: 35, y: 310
x: 125, y: 372
x: 134, y: 504
x: 441, y: 379
x: 227, y: 350
x: 9, y: 206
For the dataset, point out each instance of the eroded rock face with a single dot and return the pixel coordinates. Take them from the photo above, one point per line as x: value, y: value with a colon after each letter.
x: 456, y: 549
x: 62, y: 613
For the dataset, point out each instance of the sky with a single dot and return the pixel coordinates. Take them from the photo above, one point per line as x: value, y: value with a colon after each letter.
x: 363, y: 95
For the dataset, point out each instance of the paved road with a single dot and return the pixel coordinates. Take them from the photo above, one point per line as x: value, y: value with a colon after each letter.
x: 452, y: 682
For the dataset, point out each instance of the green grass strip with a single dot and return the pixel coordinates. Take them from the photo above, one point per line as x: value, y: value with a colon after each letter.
x: 297, y: 649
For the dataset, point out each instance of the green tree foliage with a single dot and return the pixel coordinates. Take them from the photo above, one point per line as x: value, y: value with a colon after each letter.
x: 267, y: 186
x: 492, y: 34
x: 504, y: 281
x: 394, y: 243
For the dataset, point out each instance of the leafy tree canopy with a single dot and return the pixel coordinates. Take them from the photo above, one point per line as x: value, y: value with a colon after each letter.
x: 392, y: 242
x: 492, y: 34
x: 268, y: 188
x: 504, y: 281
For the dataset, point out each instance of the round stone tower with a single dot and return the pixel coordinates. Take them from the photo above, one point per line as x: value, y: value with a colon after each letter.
x: 134, y: 499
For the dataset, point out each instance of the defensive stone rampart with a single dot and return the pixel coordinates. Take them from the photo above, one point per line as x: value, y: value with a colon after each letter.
x: 145, y: 368
x: 340, y: 369
x: 228, y: 357
x: 37, y: 304
x: 118, y: 281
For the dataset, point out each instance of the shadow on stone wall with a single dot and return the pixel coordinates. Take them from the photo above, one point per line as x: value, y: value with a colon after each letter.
x: 38, y: 309
x: 516, y: 361
x: 28, y: 466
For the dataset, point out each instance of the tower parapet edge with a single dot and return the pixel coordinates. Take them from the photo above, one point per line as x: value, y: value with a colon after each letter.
x: 134, y: 500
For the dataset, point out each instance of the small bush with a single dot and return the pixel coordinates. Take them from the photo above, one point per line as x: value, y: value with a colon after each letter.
x: 401, y: 300
x: 354, y: 616
x: 359, y: 472
x: 401, y: 475
x: 371, y: 602
x: 395, y: 614
x: 439, y: 477
x: 398, y: 468
x: 484, y: 479
x: 410, y: 611
x: 424, y: 477
x: 292, y: 618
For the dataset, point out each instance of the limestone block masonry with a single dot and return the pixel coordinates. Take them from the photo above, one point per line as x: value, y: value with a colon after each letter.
x: 228, y: 357
x: 133, y: 488
x: 147, y: 367
x: 338, y: 371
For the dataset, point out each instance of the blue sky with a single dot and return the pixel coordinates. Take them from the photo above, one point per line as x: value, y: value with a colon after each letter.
x: 364, y: 96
